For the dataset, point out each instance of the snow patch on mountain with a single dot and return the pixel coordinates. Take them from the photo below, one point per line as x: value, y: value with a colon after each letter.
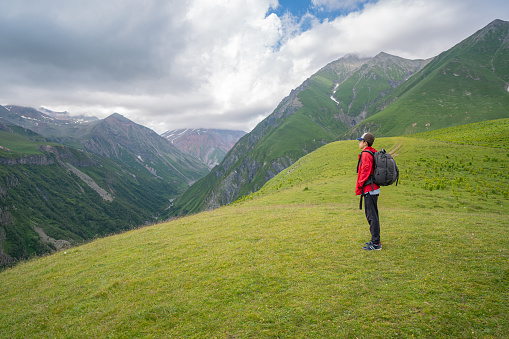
x: 334, y: 92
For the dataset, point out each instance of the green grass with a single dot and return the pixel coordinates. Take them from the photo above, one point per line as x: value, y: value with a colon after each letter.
x: 491, y: 133
x: 286, y: 262
x: 15, y: 145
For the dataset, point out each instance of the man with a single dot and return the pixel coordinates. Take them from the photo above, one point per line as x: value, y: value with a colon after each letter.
x: 368, y: 190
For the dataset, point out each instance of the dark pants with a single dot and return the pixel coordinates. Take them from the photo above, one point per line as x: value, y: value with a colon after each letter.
x: 371, y: 210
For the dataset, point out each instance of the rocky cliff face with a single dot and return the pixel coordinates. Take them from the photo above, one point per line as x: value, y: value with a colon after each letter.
x: 208, y: 145
x: 51, y: 154
x: 27, y: 160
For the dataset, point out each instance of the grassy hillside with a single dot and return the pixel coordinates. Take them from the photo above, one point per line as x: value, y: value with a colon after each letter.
x: 493, y: 133
x: 287, y: 262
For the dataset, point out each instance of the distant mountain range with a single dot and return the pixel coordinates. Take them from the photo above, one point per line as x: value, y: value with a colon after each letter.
x: 114, y: 137
x: 65, y: 116
x: 43, y: 121
x: 208, y: 145
x: 386, y: 95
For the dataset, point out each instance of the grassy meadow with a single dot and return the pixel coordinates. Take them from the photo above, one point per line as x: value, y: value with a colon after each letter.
x: 286, y: 261
x: 18, y: 145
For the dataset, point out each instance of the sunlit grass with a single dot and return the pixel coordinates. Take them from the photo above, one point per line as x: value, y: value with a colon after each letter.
x: 286, y: 262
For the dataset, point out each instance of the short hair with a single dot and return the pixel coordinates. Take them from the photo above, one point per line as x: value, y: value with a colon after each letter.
x: 369, y: 138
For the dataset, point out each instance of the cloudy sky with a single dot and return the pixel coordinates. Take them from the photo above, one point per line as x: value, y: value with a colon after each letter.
x: 170, y: 64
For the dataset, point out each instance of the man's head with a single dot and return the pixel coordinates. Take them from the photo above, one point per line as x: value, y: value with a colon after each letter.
x: 368, y: 138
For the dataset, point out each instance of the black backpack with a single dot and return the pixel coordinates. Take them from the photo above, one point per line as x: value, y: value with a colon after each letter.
x: 385, y: 172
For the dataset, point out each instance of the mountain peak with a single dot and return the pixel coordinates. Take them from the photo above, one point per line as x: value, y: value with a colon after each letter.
x: 384, y: 55
x: 117, y: 116
x: 498, y: 22
x: 495, y: 25
x: 208, y: 145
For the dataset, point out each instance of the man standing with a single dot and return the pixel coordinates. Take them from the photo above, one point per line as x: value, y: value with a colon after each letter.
x: 368, y: 189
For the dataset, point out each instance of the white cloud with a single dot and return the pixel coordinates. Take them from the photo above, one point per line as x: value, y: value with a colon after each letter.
x: 204, y: 63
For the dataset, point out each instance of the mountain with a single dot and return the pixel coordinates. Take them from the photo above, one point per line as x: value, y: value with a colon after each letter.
x: 314, y: 114
x: 53, y: 196
x: 468, y: 83
x: 386, y: 95
x: 65, y: 116
x: 119, y: 138
x: 43, y: 121
x: 356, y: 95
x: 208, y: 145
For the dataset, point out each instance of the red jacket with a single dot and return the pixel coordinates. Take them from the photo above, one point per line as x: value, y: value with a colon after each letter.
x: 364, y: 170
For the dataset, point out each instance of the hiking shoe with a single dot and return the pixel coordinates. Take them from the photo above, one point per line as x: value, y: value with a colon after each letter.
x: 372, y: 247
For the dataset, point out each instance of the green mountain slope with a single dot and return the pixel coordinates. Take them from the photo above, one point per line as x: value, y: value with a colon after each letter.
x: 287, y: 261
x: 314, y: 114
x: 358, y: 94
x: 465, y: 84
x: 52, y: 196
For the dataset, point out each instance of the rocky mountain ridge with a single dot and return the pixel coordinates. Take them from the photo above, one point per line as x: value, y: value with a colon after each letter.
x: 208, y: 145
x: 115, y: 137
x: 43, y: 121
x: 66, y: 116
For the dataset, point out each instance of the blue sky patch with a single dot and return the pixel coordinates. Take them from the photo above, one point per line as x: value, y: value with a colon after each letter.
x: 299, y: 8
